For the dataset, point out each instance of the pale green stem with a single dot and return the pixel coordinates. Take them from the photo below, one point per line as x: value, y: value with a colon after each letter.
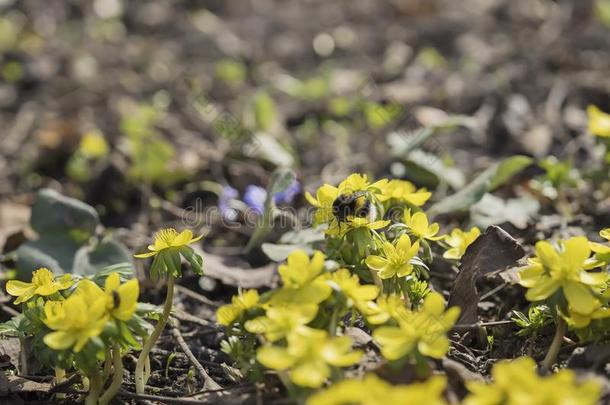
x: 377, y: 280
x: 152, y: 339
x: 334, y: 320
x: 117, y: 377
x: 147, y: 369
x: 551, y: 354
x: 95, y: 387
x: 107, y: 365
x: 60, y: 376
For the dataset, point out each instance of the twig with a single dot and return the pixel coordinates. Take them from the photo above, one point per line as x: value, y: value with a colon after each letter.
x: 59, y: 387
x: 208, y: 382
x: 9, y: 310
x: 474, y: 326
x: 171, y: 400
x: 186, y: 317
x: 192, y: 294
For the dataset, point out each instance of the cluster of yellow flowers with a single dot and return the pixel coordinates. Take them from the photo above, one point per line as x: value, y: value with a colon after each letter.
x: 283, y: 319
x: 374, y: 391
x: 424, y: 330
x: 383, y: 195
x: 375, y: 277
x: 83, y: 315
x: 514, y: 383
x: 570, y: 272
x: 82, y: 323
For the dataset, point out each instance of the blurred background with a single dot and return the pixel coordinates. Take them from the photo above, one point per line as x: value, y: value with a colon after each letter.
x: 147, y: 109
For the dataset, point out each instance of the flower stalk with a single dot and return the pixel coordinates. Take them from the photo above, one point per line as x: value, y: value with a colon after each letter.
x: 150, y: 342
x: 95, y: 388
x: 117, y: 377
x: 551, y: 354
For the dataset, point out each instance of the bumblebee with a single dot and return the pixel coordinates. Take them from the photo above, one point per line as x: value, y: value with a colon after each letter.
x: 355, y: 204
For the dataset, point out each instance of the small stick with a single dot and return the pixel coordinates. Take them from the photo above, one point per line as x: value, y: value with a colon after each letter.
x: 208, y: 382
x: 192, y: 294
x: 478, y: 325
x: 9, y: 310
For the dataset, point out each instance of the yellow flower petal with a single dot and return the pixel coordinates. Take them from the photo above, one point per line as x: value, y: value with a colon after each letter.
x: 274, y: 358
x: 20, y: 289
x: 60, y: 340
x: 545, y: 287
x: 599, y: 121
x: 310, y: 374
x: 580, y: 298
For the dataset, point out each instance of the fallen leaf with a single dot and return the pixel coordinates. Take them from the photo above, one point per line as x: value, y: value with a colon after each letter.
x: 11, y: 384
x: 231, y: 271
x: 493, y: 251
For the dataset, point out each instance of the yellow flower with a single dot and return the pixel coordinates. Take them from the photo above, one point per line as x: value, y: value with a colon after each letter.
x: 82, y: 316
x: 122, y: 299
x: 301, y: 281
x: 420, y: 227
x: 309, y: 355
x: 566, y: 268
x: 300, y: 270
x: 93, y: 144
x: 517, y: 382
x: 577, y: 320
x: 362, y: 223
x: 396, y: 258
x: 459, y: 241
x: 423, y: 330
x: 227, y: 314
x: 278, y: 322
x: 374, y: 391
x: 43, y: 284
x: 167, y: 248
x: 602, y: 252
x: 169, y: 238
x: 402, y: 190
x: 349, y: 285
x: 326, y: 196
x: 599, y: 122
x: 359, y: 182
x: 386, y: 307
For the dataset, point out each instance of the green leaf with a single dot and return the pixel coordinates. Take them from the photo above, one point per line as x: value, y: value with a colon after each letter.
x: 195, y: 260
x: 492, y: 178
x: 55, y: 213
x: 91, y: 259
x: 429, y: 170
x: 55, y: 251
x: 281, y: 179
x: 507, y: 169
x: 265, y: 111
x: 264, y: 146
x: 173, y: 264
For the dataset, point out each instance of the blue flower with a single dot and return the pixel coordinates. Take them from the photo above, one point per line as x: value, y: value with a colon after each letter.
x: 255, y: 197
x: 288, y: 195
x: 224, y: 203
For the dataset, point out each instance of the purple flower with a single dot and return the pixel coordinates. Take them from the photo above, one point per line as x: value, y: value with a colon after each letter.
x: 255, y: 197
x: 288, y: 195
x: 224, y: 203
